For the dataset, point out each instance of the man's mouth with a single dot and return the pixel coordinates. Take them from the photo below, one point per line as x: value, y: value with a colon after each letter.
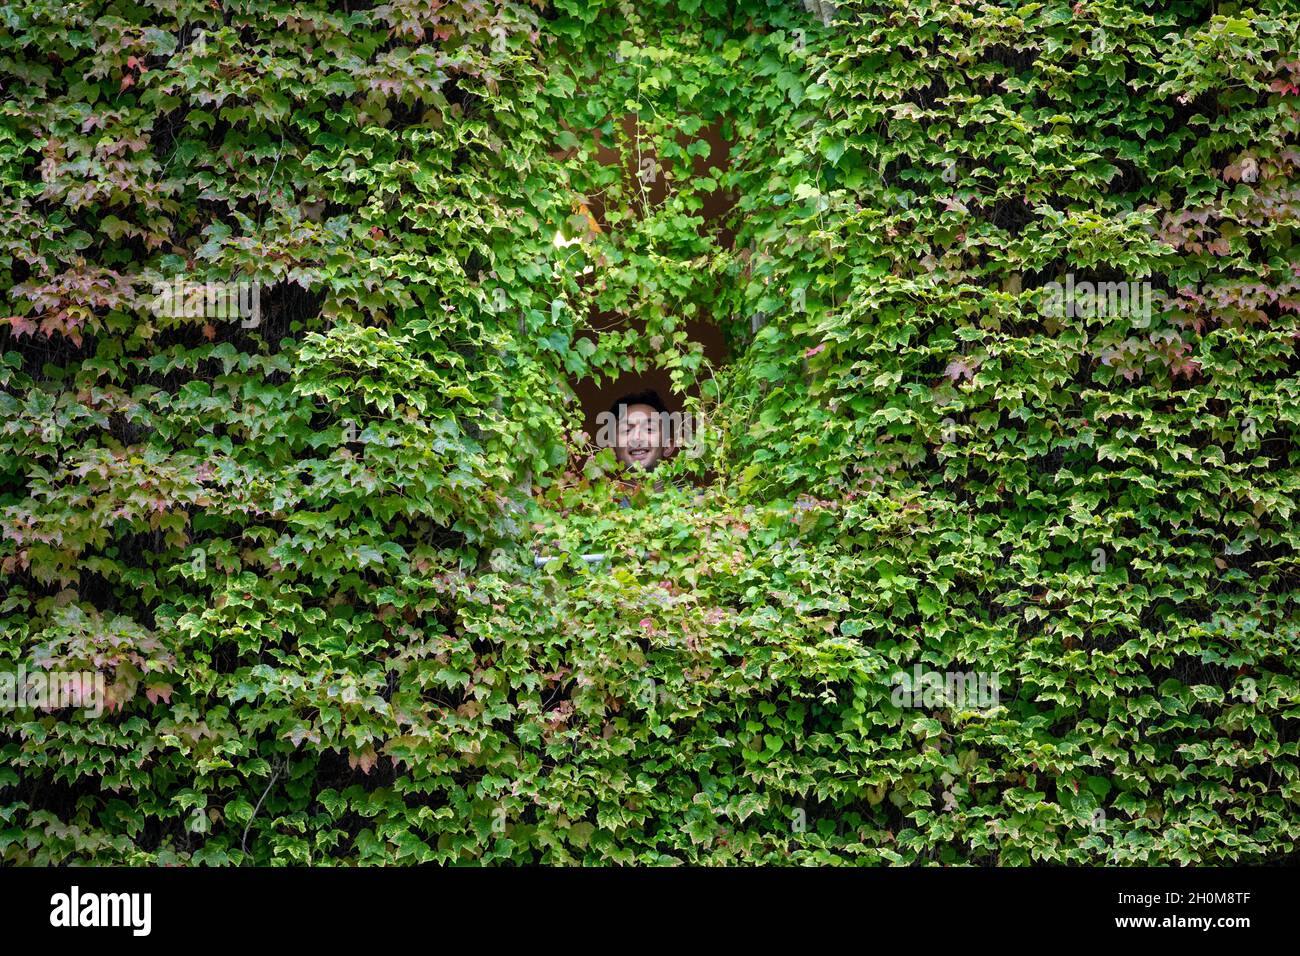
x: 640, y: 455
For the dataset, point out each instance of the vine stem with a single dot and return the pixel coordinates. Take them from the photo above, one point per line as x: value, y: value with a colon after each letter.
x: 243, y: 841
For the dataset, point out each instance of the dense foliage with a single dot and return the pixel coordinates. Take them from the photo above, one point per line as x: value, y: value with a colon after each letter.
x: 302, y: 549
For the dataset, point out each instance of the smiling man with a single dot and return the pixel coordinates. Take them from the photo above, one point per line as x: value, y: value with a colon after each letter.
x: 638, y: 427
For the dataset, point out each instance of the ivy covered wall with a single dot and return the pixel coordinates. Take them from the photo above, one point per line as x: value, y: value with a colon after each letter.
x: 299, y: 542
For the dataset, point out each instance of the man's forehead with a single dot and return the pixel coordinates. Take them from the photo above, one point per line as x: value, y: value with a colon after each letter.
x: 640, y: 411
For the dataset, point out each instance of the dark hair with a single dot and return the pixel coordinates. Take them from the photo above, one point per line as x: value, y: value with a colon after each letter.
x: 648, y: 397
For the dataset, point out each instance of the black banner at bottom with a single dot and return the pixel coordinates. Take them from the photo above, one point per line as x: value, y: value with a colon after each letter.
x: 144, y: 906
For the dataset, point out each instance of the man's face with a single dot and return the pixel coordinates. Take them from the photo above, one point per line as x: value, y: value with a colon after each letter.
x: 639, y: 440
